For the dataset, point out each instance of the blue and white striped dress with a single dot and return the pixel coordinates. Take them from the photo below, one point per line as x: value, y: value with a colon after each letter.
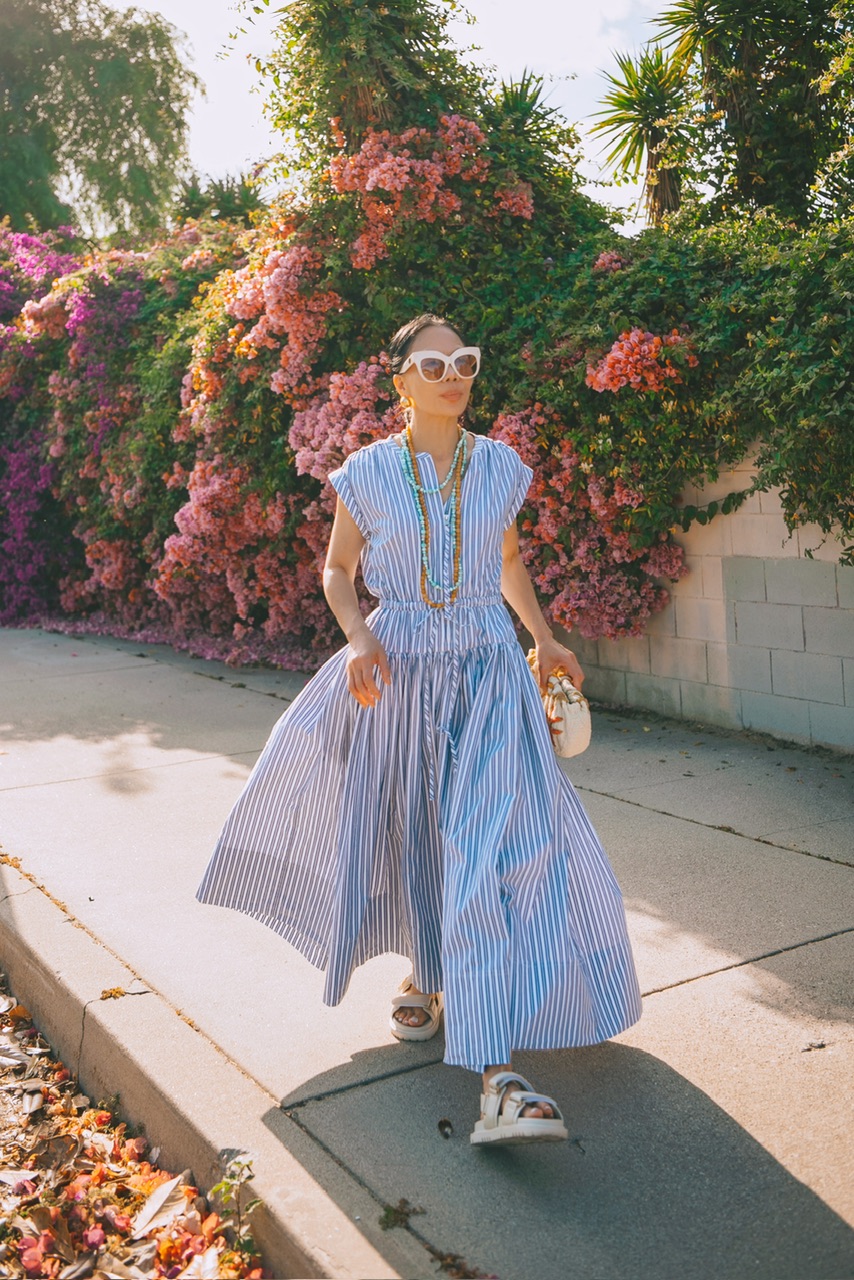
x: 438, y: 823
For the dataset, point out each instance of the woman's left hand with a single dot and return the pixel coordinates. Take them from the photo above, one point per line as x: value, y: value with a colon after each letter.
x: 550, y: 654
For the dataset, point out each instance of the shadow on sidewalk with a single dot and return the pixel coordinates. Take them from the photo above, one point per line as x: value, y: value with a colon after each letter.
x: 656, y: 1180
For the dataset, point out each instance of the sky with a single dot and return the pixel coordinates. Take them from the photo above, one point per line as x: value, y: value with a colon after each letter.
x: 569, y: 42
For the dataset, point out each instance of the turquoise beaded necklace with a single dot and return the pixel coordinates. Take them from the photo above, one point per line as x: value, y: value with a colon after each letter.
x: 407, y: 454
x: 423, y: 488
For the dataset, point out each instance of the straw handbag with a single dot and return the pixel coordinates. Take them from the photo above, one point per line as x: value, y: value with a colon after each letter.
x: 567, y: 711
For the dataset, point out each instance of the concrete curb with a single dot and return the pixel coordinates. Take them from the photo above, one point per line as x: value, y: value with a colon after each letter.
x: 193, y: 1102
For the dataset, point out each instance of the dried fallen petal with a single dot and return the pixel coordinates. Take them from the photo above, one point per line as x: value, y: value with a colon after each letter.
x: 77, y: 1189
x: 192, y: 1222
x: 101, y: 1143
x: 54, y: 1233
x: 204, y: 1266
x: 61, y: 1212
x: 31, y: 1261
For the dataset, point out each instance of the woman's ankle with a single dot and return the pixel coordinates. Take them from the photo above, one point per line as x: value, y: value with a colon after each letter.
x: 492, y: 1071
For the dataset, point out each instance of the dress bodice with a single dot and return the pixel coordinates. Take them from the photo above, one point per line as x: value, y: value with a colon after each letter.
x: 373, y: 487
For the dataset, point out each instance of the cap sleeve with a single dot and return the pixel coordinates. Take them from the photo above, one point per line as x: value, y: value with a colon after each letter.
x: 344, y: 481
x: 521, y: 477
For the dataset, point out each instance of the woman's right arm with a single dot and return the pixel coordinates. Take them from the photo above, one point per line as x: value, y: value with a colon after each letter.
x: 339, y: 576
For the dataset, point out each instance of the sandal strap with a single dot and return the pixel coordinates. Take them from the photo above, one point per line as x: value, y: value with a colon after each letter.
x: 502, y: 1104
x: 499, y: 1082
x: 414, y: 1002
x: 492, y: 1099
x: 516, y: 1103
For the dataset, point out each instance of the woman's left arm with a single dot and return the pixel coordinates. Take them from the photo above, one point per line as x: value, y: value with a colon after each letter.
x: 518, y: 591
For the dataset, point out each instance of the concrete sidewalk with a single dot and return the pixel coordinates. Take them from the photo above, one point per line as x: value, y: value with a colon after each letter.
x: 713, y: 1139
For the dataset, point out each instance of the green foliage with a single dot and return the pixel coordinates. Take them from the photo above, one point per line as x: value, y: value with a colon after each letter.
x: 398, y: 1215
x: 800, y: 377
x: 224, y: 199
x: 97, y: 98
x: 752, y: 108
x: 777, y: 104
x: 381, y: 63
x: 772, y: 315
x: 230, y: 1189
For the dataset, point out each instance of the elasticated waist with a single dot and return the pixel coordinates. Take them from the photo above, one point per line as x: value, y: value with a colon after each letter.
x: 471, y: 602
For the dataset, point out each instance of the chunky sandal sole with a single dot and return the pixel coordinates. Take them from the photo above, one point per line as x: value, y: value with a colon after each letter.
x: 518, y: 1132
x: 426, y: 1031
x: 500, y: 1121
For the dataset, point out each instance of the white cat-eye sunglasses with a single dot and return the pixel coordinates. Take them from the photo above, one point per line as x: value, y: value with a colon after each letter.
x: 434, y: 365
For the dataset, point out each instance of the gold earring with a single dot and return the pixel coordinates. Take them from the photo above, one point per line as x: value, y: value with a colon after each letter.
x: 405, y: 402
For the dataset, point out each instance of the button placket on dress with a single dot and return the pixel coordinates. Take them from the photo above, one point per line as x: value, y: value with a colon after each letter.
x: 438, y: 514
x: 450, y: 612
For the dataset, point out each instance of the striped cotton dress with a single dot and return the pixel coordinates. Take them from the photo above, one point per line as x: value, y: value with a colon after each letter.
x: 438, y: 823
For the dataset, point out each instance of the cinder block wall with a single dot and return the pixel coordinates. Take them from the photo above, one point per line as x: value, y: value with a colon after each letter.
x: 756, y: 636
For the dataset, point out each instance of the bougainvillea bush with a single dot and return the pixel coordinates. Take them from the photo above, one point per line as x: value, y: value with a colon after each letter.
x: 89, y: 369
x: 33, y: 540
x: 169, y: 415
x: 192, y: 401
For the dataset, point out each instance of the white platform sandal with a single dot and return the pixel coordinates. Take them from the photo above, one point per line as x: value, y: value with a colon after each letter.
x: 432, y: 1005
x: 501, y: 1107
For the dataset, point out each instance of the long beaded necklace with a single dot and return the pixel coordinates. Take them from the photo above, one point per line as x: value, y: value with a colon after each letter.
x: 409, y: 462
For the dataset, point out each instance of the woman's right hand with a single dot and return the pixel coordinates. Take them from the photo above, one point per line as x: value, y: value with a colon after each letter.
x: 366, y: 652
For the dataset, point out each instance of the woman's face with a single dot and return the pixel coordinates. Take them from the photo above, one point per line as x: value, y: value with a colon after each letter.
x: 447, y: 398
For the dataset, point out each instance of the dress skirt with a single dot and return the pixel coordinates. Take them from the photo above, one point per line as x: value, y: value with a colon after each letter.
x: 436, y: 824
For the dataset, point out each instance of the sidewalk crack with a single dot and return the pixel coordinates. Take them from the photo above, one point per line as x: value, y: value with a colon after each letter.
x: 239, y: 684
x: 438, y: 1255
x: 287, y: 1107
x: 16, y: 893
x: 142, y: 768
x: 740, y: 964
x: 714, y: 826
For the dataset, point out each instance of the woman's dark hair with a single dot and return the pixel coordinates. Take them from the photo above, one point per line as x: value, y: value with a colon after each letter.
x: 401, y: 343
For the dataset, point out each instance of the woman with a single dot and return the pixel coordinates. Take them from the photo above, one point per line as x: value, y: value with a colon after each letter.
x: 409, y: 799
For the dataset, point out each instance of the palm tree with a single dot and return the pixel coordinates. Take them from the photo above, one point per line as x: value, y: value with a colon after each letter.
x: 536, y: 134
x: 230, y: 199
x: 643, y: 110
x: 760, y: 65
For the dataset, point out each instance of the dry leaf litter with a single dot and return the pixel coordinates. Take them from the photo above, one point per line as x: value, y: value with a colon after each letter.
x: 78, y: 1198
